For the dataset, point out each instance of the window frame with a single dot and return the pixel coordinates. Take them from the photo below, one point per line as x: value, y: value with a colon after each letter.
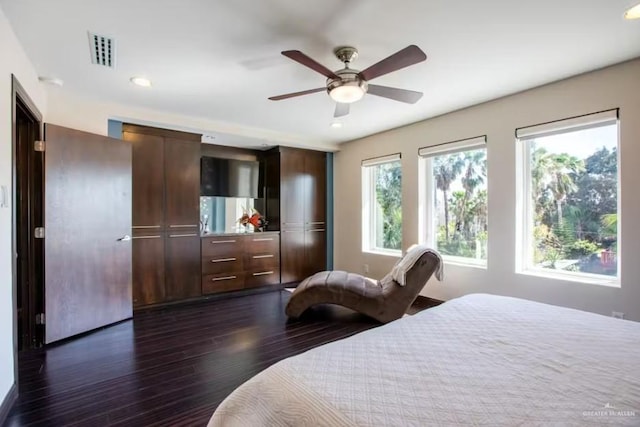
x: 427, y: 224
x: 525, y: 206
x: 369, y: 214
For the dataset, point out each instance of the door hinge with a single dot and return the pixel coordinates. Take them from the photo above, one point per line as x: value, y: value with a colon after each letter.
x: 38, y: 233
x: 40, y: 319
x: 38, y: 145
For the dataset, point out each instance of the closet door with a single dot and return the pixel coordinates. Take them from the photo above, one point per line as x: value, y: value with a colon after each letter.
x: 148, y: 268
x: 315, y: 252
x: 182, y: 184
x: 148, y: 180
x: 183, y: 274
x: 292, y: 188
x: 315, y: 188
x: 292, y: 255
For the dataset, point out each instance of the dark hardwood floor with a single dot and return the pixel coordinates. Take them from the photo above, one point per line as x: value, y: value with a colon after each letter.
x: 170, y: 366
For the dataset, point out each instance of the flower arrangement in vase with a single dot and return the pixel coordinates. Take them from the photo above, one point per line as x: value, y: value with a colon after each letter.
x: 255, y: 219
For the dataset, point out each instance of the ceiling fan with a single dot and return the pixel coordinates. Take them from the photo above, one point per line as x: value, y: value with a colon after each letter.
x: 349, y: 85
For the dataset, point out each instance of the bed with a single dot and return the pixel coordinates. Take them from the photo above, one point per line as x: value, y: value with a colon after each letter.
x: 475, y: 360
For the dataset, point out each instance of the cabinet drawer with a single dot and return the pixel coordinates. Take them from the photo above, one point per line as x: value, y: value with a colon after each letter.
x: 221, y: 264
x: 222, y: 247
x: 262, y: 277
x: 214, y: 283
x: 265, y: 261
x: 262, y: 244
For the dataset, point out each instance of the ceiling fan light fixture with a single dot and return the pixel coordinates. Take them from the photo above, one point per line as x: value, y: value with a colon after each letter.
x: 633, y: 12
x: 347, y: 93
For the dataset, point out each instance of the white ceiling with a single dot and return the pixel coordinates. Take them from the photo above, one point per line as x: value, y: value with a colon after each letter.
x: 220, y: 59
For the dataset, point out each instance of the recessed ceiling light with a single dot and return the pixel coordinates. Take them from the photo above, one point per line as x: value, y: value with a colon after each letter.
x: 633, y: 13
x: 336, y: 125
x: 51, y: 81
x: 141, y: 81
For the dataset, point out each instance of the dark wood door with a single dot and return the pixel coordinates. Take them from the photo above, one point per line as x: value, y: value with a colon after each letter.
x: 182, y: 266
x: 182, y: 184
x: 87, y: 222
x: 292, y: 256
x: 292, y: 188
x: 315, y: 251
x: 148, y: 180
x: 148, y: 269
x: 315, y: 189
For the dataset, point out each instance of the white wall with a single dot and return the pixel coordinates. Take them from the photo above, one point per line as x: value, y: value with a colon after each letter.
x: 617, y: 86
x: 13, y: 61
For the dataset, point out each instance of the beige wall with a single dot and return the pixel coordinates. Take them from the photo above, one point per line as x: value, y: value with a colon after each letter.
x: 617, y: 86
x: 12, y: 61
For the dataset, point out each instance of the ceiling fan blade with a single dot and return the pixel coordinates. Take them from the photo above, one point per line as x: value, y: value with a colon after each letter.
x: 342, y: 109
x: 300, y: 57
x: 294, y: 94
x: 408, y: 56
x: 402, y: 95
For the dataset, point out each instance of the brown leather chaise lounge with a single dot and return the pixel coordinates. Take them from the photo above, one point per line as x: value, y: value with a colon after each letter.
x: 384, y: 300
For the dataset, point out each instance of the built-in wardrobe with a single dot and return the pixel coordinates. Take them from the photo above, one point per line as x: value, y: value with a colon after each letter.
x: 173, y: 260
x: 165, y: 217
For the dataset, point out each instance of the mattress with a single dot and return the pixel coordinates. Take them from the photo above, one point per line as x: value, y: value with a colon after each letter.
x: 479, y: 360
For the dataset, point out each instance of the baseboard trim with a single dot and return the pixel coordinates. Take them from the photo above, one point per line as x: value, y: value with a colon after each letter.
x: 7, y: 403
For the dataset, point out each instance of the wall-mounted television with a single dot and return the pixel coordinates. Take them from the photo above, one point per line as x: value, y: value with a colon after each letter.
x: 230, y: 178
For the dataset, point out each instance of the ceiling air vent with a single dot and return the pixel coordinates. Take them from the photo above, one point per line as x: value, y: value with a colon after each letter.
x: 102, y: 50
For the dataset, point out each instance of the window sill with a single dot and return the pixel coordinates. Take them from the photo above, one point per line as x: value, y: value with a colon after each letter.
x: 464, y: 262
x: 587, y: 279
x: 389, y: 253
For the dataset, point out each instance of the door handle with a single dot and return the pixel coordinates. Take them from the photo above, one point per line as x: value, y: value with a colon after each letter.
x: 124, y: 238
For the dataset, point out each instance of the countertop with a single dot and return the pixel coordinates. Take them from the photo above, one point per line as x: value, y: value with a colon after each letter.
x: 255, y: 233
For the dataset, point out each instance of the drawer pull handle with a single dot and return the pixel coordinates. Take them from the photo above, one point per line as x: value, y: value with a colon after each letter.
x: 223, y: 260
x: 145, y: 226
x: 263, y: 273
x: 217, y: 279
x: 318, y: 229
x: 146, y: 237
x: 183, y: 226
x: 262, y: 256
x: 183, y: 235
x: 216, y: 242
x: 270, y: 239
x: 316, y: 222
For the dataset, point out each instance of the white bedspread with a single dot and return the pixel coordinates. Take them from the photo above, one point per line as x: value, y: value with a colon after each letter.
x: 478, y: 360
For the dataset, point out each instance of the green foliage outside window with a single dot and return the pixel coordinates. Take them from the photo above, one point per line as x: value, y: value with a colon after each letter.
x: 388, y: 185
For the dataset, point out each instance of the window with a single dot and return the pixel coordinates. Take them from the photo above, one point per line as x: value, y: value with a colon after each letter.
x: 454, y: 205
x: 570, y: 206
x: 382, y: 204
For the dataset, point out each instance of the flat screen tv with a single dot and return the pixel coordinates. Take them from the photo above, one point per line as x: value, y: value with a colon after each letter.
x: 229, y: 178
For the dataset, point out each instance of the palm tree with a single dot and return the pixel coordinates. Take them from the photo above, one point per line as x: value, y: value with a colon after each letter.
x: 561, y: 169
x: 446, y: 169
x: 476, y: 170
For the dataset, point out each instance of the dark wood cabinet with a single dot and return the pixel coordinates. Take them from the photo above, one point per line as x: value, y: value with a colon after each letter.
x: 315, y: 188
x: 182, y: 266
x: 182, y: 184
x: 315, y: 250
x: 147, y: 181
x: 302, y: 211
x: 166, y: 196
x: 292, y: 188
x: 234, y: 262
x: 292, y: 259
x: 148, y: 271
